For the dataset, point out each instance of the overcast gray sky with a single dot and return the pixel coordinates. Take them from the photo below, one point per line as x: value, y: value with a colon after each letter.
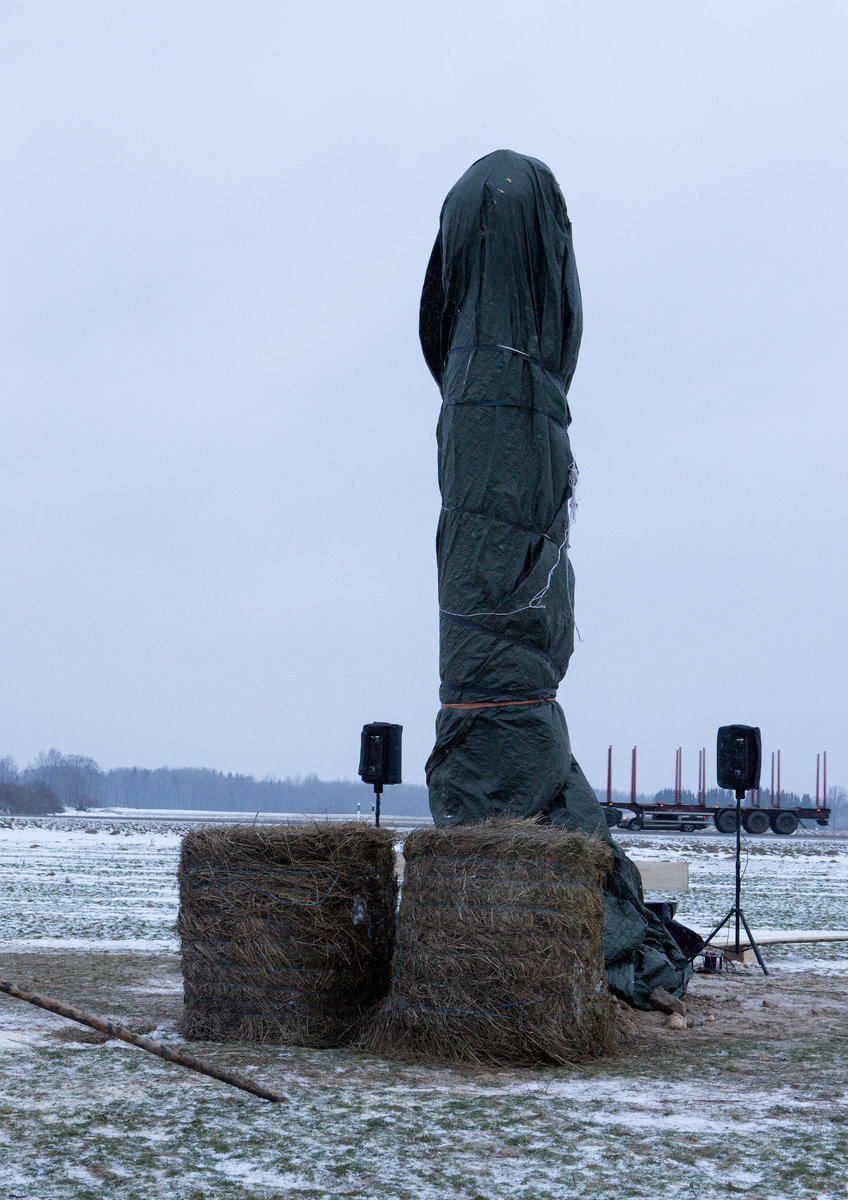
x: 219, y: 490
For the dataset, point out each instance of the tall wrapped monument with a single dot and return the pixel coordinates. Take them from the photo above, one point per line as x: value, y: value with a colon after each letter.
x: 500, y: 326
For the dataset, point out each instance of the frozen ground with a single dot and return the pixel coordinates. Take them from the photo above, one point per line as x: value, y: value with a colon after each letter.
x: 753, y: 1099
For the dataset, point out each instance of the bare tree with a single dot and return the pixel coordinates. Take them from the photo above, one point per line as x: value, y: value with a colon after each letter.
x: 837, y: 799
x: 76, y: 779
x: 8, y: 769
x: 30, y: 798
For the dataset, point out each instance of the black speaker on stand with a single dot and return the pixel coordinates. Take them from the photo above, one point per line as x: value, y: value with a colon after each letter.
x: 380, y: 758
x: 739, y: 753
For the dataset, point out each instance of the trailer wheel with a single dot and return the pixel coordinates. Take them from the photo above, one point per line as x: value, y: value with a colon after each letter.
x: 725, y: 820
x: 636, y: 823
x: 784, y: 823
x: 755, y: 820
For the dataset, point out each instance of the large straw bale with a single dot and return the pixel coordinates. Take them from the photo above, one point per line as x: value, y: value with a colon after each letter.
x: 286, y: 931
x: 499, y: 955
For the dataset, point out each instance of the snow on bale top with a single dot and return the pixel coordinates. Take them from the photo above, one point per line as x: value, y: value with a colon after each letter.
x: 286, y: 932
x: 499, y: 955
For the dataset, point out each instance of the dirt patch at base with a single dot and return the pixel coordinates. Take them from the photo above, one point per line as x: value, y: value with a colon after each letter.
x: 791, y: 1021
x: 718, y: 1005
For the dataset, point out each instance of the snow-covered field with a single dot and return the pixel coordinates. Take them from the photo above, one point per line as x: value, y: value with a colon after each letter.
x: 795, y: 883
x: 756, y: 1104
x: 112, y: 884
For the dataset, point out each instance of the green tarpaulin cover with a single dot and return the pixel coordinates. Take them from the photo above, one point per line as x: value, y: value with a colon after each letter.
x: 500, y: 326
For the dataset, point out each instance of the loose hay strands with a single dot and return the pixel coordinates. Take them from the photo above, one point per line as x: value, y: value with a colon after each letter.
x: 500, y: 948
x: 286, y: 932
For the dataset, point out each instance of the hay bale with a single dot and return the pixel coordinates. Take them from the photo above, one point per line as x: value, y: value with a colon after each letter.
x: 499, y: 955
x: 286, y: 932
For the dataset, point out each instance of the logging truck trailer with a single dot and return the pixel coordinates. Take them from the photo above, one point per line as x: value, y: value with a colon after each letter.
x: 687, y: 817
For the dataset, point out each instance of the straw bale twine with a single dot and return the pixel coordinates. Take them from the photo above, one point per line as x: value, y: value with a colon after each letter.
x: 499, y: 956
x: 286, y: 932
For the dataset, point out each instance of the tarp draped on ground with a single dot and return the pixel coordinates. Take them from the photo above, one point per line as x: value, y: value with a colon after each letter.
x: 500, y: 326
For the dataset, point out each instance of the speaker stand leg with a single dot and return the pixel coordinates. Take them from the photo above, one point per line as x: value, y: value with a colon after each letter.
x: 738, y: 913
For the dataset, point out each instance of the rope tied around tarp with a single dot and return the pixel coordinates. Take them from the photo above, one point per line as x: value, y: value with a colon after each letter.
x: 530, y: 358
x: 502, y: 703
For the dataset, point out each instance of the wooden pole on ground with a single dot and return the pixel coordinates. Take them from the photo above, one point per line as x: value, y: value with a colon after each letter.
x: 136, y: 1039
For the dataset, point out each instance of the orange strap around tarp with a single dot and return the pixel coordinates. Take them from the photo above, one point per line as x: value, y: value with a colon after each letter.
x: 503, y: 703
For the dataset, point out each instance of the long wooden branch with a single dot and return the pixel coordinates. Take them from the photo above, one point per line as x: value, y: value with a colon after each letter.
x: 136, y: 1039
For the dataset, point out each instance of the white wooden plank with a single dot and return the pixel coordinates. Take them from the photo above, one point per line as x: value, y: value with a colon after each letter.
x: 664, y: 876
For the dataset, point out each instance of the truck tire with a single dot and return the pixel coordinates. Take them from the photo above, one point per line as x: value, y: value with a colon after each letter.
x: 754, y: 820
x: 636, y: 823
x: 725, y: 820
x: 784, y: 823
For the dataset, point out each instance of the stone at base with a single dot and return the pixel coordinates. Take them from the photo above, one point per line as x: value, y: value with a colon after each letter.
x: 665, y: 1002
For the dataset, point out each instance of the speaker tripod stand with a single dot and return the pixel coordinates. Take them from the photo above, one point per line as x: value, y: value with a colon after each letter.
x: 736, y: 910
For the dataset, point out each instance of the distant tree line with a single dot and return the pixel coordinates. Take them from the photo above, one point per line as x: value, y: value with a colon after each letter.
x: 75, y: 781
x: 53, y: 781
x: 201, y: 788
